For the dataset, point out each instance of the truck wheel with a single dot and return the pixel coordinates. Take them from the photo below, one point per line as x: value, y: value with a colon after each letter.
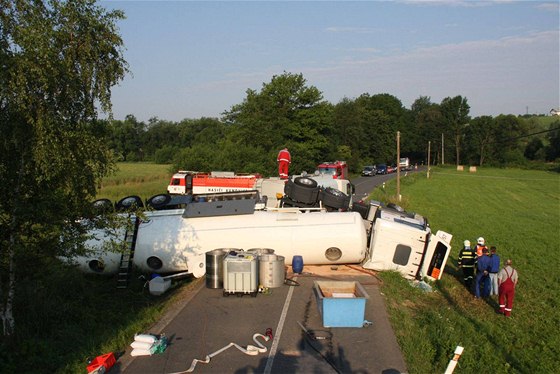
x: 334, y: 198
x: 395, y: 207
x: 305, y: 182
x: 129, y: 203
x: 158, y: 202
x: 102, y: 206
x: 301, y: 190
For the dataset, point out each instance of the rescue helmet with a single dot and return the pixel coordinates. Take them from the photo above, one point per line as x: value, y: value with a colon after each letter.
x: 467, y: 243
x: 480, y: 241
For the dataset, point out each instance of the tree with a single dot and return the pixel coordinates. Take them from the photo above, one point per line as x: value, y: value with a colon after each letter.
x: 429, y: 124
x: 59, y: 61
x: 286, y: 112
x: 456, y: 113
x: 126, y: 138
x: 510, y: 141
x: 479, y: 133
x: 553, y: 150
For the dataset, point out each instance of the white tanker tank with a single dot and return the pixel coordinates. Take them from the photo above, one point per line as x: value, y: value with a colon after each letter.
x: 169, y: 241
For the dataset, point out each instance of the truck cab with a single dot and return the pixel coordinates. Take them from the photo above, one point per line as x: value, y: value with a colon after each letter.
x: 404, y: 242
x: 181, y: 183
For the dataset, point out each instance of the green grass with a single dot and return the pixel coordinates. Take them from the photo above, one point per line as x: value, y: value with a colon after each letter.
x: 518, y: 211
x: 131, y: 178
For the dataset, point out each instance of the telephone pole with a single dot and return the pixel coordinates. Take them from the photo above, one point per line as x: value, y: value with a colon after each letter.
x: 442, y: 153
x: 428, y: 173
x: 398, y: 165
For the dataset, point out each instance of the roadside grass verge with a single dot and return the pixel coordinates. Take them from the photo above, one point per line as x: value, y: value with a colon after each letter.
x: 518, y: 211
x: 65, y: 317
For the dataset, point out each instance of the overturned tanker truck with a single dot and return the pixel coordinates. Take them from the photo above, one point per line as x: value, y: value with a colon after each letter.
x: 175, y: 238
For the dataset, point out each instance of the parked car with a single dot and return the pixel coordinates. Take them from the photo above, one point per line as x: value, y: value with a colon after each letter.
x: 381, y: 169
x: 390, y: 169
x: 369, y: 171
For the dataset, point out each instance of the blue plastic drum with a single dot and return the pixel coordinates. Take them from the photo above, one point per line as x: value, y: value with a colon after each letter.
x: 297, y: 264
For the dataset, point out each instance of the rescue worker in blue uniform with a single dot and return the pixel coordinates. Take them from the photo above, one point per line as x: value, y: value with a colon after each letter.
x: 467, y: 262
x: 483, y: 267
x: 494, y: 271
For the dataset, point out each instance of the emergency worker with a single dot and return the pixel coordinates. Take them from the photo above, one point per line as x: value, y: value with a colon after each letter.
x: 480, y: 246
x: 483, y: 266
x: 284, y: 160
x: 507, y: 280
x: 467, y: 263
x: 494, y: 271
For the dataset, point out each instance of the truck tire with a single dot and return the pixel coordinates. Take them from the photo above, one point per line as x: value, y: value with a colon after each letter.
x: 305, y: 182
x: 334, y: 198
x: 102, y: 206
x: 303, y: 190
x: 129, y: 203
x: 158, y: 202
x: 395, y: 207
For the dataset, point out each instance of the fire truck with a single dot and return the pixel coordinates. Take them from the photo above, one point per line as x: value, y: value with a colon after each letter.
x: 338, y: 169
x: 194, y: 183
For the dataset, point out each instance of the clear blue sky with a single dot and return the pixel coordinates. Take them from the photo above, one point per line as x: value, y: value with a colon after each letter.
x: 197, y: 59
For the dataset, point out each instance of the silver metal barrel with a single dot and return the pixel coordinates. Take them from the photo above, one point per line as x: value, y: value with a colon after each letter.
x: 272, y: 270
x: 214, y: 267
x: 261, y: 251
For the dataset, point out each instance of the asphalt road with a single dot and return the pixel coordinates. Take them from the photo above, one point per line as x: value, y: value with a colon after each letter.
x: 364, y: 185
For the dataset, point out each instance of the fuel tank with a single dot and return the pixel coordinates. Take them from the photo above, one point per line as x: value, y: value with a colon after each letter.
x: 167, y: 242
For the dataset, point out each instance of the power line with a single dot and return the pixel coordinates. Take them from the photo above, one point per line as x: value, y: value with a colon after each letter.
x: 522, y: 136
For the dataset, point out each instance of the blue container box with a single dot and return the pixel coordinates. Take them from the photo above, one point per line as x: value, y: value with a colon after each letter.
x: 341, y: 303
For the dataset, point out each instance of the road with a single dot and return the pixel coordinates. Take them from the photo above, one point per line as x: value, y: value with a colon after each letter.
x: 364, y: 185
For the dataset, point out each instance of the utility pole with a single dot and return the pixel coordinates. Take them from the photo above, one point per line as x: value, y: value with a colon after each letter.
x: 398, y: 165
x: 442, y: 154
x: 428, y: 173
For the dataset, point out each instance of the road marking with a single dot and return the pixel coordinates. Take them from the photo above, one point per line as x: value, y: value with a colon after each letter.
x: 278, y: 333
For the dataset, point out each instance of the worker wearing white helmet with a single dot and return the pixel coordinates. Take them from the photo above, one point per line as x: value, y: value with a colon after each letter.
x: 480, y: 246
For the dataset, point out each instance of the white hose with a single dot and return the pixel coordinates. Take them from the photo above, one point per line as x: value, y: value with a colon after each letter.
x: 251, y: 350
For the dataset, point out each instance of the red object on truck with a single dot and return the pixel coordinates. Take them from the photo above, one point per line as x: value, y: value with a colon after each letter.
x: 338, y: 169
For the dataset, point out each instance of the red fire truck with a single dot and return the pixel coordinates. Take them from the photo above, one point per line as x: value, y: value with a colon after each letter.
x: 338, y: 169
x: 191, y: 182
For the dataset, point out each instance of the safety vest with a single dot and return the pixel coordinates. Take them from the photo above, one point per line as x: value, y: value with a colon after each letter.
x: 479, y: 249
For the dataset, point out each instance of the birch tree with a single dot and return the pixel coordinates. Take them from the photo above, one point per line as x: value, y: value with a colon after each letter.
x: 59, y: 60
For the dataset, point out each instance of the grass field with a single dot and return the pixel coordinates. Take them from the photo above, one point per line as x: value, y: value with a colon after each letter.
x: 133, y: 178
x: 518, y: 211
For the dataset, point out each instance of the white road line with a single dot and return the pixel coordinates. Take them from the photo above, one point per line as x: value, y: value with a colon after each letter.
x: 278, y: 332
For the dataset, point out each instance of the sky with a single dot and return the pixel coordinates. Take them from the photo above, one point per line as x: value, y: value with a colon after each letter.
x: 193, y: 59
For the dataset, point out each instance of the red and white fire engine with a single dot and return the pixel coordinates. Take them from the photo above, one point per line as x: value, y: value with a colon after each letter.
x: 338, y: 169
x: 190, y: 182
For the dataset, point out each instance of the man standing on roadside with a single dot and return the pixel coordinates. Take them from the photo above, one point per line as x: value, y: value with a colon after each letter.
x: 482, y: 279
x: 284, y: 160
x: 495, y: 259
x: 507, y: 280
x: 467, y: 262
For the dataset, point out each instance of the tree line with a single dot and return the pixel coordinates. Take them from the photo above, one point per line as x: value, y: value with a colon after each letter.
x: 287, y: 112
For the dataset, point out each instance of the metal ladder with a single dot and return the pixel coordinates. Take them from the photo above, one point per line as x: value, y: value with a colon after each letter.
x: 126, y: 258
